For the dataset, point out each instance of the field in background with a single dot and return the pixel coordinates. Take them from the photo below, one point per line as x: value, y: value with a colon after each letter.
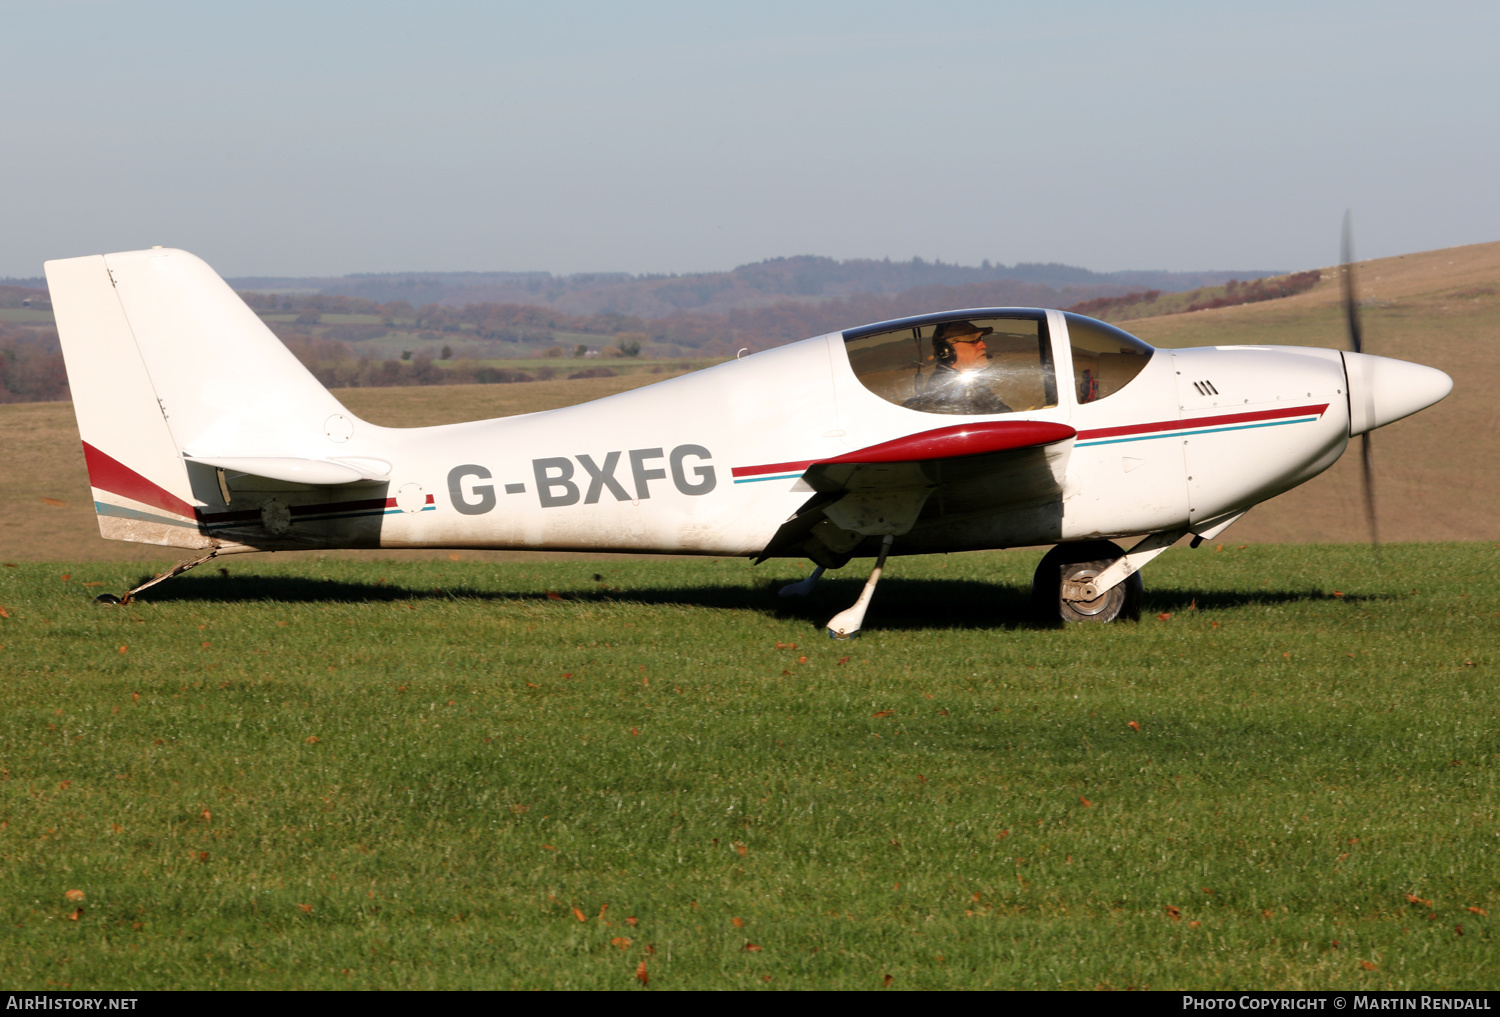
x: 447, y: 775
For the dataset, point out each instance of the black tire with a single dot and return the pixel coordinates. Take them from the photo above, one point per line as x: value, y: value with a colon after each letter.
x: 1084, y: 560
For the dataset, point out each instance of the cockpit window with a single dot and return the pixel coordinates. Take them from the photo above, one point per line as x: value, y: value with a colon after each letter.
x: 1105, y: 358
x: 975, y: 365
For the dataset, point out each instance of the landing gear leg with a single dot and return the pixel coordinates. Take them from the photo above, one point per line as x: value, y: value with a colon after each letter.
x: 175, y: 570
x: 846, y: 624
x: 803, y: 587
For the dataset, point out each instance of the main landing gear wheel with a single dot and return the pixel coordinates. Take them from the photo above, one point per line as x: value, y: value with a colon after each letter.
x: 1084, y: 561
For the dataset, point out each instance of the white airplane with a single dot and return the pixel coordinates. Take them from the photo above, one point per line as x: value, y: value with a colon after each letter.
x: 972, y: 429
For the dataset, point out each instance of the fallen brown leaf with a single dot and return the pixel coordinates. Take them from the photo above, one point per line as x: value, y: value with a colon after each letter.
x: 620, y: 942
x: 751, y: 947
x: 77, y: 895
x: 641, y: 975
x: 1368, y: 966
x: 739, y: 923
x: 1479, y: 911
x: 580, y: 915
x: 1133, y: 726
x: 77, y: 914
x: 1174, y: 913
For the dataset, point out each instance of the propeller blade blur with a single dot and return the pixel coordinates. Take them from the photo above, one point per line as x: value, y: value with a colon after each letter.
x: 1351, y: 305
x: 1357, y: 344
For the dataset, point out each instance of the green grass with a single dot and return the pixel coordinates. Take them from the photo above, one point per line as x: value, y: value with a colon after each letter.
x: 410, y: 774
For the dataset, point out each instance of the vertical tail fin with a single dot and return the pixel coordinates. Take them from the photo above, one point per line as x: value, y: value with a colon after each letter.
x: 165, y: 361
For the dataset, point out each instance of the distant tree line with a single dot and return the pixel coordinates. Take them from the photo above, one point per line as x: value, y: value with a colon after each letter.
x: 1103, y: 307
x: 337, y: 366
x: 1256, y: 290
x: 1145, y: 303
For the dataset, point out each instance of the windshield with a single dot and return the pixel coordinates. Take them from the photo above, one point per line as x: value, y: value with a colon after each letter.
x: 1105, y: 358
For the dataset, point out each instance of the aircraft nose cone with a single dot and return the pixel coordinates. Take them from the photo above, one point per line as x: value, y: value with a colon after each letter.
x: 1382, y: 390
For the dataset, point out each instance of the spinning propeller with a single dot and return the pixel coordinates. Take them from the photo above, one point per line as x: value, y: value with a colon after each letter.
x: 1356, y: 344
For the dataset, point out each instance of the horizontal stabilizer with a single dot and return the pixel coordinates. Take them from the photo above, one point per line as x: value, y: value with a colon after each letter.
x: 300, y: 471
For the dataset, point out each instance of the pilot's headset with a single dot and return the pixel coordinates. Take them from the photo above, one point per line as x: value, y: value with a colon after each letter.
x: 942, y: 339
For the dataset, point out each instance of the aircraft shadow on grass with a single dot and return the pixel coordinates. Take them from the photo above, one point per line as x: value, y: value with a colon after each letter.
x: 902, y: 604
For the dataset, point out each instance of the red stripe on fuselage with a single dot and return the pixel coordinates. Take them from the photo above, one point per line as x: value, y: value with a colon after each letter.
x: 109, y: 474
x: 1182, y: 425
x: 756, y: 471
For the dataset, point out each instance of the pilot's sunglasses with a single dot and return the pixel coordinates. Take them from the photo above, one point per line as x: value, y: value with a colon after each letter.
x: 972, y: 339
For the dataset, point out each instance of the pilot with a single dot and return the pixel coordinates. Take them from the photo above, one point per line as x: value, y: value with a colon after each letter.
x: 961, y: 381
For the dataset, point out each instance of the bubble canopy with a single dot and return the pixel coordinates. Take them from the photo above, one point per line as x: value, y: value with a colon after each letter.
x: 989, y: 361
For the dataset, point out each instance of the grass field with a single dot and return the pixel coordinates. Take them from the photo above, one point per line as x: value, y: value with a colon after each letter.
x: 346, y: 774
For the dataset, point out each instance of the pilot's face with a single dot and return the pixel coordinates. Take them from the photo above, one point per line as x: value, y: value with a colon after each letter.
x: 968, y: 351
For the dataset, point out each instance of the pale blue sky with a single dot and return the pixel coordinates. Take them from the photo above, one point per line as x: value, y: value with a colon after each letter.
x: 311, y: 137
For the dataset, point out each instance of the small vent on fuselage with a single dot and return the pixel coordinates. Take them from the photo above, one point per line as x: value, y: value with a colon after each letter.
x: 1205, y: 388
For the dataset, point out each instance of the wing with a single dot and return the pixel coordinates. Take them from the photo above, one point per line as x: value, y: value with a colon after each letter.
x: 884, y: 488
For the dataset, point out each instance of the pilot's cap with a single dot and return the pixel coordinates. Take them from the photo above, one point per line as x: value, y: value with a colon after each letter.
x: 958, y: 329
